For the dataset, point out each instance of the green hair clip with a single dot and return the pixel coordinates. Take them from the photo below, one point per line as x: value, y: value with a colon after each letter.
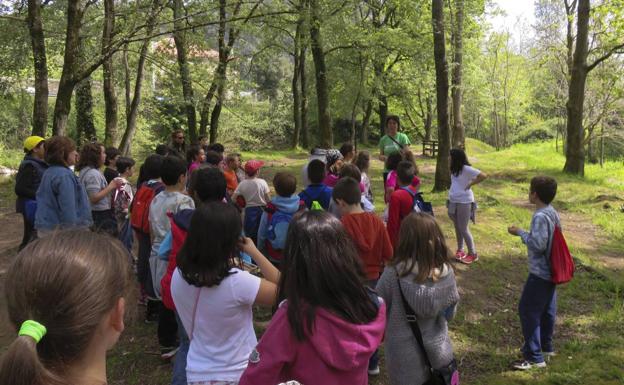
x: 33, y: 329
x: 316, y: 206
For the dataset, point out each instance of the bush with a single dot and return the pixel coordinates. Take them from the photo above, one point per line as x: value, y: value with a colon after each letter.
x: 536, y: 131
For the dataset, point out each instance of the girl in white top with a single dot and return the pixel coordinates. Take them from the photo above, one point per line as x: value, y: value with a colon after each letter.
x: 214, y: 296
x: 461, y: 202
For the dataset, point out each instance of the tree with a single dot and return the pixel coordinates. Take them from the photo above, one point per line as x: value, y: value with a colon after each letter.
x: 443, y: 174
x: 458, y: 139
x: 85, y: 126
x: 110, y: 98
x: 40, y: 107
x: 320, y: 72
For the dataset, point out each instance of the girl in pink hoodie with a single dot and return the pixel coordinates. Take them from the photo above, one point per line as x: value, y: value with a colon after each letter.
x: 328, y: 324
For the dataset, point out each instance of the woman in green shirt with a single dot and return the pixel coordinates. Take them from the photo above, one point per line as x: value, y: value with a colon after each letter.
x: 393, y: 141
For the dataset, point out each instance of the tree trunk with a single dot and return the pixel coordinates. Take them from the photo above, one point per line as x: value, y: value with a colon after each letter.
x: 456, y: 89
x: 442, y: 175
x: 305, y: 132
x: 296, y: 91
x: 127, y: 82
x: 428, y: 117
x: 575, y: 156
x: 383, y: 114
x: 320, y: 70
x: 110, y: 98
x: 179, y: 38
x: 84, y: 112
x: 366, y: 122
x: 40, y: 107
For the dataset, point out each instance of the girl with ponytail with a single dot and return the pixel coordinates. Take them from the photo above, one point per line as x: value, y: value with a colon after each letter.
x: 65, y: 295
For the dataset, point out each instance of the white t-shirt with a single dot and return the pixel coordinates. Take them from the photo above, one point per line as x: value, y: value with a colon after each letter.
x: 255, y: 191
x: 458, y: 192
x: 222, y: 334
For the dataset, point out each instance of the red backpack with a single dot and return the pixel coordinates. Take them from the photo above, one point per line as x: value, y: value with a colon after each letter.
x: 139, y: 213
x: 178, y: 235
x: 561, y: 262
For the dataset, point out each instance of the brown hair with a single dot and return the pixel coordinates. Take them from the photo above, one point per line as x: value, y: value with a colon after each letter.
x: 285, y: 184
x: 68, y: 282
x: 58, y: 149
x: 362, y: 161
x: 545, y: 187
x: 90, y: 156
x: 422, y: 244
x: 351, y: 170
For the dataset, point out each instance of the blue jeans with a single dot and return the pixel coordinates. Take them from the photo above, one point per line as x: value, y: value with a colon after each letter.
x: 538, y: 311
x: 179, y: 365
x: 252, y: 222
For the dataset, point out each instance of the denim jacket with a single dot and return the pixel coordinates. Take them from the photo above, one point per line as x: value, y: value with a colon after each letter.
x: 539, y: 241
x: 61, y: 201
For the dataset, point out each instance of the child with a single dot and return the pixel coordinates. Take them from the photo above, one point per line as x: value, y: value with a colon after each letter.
x: 27, y: 182
x: 316, y: 190
x: 420, y: 275
x: 62, y: 201
x: 232, y: 163
x: 214, y: 297
x: 538, y: 303
x: 351, y: 170
x: 392, y: 161
x: 328, y: 324
x: 369, y: 235
x: 461, y: 203
x: 362, y: 161
x: 110, y: 171
x: 252, y: 194
x: 315, y: 153
x: 213, y: 159
x: 92, y: 156
x: 348, y: 152
x: 195, y: 156
x: 68, y: 346
x: 277, y: 216
x: 171, y: 200
x: 401, y: 202
x: 333, y: 164
x: 123, y: 195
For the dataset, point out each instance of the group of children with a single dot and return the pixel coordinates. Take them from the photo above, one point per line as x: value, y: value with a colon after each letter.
x: 337, y: 277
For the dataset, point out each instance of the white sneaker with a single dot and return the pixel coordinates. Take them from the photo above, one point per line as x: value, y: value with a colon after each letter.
x: 374, y: 371
x: 528, y: 365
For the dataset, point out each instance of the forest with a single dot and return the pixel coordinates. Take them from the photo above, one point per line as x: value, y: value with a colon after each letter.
x: 303, y: 73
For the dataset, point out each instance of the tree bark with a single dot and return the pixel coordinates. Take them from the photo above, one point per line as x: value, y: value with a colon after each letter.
x: 428, y: 116
x: 442, y: 175
x: 575, y: 155
x: 40, y: 107
x: 456, y: 89
x: 305, y: 132
x: 366, y: 122
x: 179, y: 38
x: 110, y: 98
x: 320, y: 71
x: 295, y: 87
x: 84, y: 112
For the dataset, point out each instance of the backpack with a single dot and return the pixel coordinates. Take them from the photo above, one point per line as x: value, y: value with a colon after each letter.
x: 278, y: 222
x: 420, y: 206
x: 139, y: 210
x: 178, y: 238
x: 561, y: 262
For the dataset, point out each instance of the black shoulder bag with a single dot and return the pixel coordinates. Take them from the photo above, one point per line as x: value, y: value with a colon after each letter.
x: 448, y: 375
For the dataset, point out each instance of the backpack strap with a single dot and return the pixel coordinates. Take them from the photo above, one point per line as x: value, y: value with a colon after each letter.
x: 270, y: 208
x: 302, y: 205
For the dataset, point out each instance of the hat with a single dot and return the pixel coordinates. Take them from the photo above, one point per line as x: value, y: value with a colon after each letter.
x: 332, y: 156
x: 253, y: 165
x: 32, y: 142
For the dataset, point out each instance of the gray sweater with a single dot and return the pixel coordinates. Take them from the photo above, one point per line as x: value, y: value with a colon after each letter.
x: 405, y: 361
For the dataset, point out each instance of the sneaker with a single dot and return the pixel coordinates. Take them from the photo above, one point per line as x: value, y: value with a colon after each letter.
x: 470, y: 258
x: 373, y: 371
x: 167, y: 353
x: 548, y: 355
x: 459, y: 255
x: 528, y: 365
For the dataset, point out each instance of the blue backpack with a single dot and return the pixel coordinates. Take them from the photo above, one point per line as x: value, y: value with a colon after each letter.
x: 278, y: 227
x: 420, y: 206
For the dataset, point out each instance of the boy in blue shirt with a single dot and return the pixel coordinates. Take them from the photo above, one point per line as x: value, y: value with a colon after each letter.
x: 538, y: 303
x: 316, y: 190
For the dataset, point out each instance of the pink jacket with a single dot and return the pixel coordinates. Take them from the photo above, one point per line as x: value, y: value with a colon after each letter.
x: 336, y: 353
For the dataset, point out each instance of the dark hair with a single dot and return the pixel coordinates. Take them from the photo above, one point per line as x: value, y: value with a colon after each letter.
x: 123, y: 164
x: 545, y: 187
x: 350, y: 170
x: 395, y: 118
x: 213, y: 157
x: 202, y: 137
x: 171, y: 169
x: 421, y: 242
x: 458, y: 161
x: 405, y: 172
x: 362, y: 161
x: 90, y: 154
x: 285, y: 184
x: 392, y: 161
x: 212, y: 242
x: 321, y: 269
x: 162, y: 149
x: 67, y: 281
x: 346, y: 148
x: 347, y: 189
x: 216, y: 147
x: 208, y: 184
x: 111, y: 153
x: 176, y: 132
x: 58, y: 149
x: 150, y: 169
x: 192, y: 153
x: 316, y: 171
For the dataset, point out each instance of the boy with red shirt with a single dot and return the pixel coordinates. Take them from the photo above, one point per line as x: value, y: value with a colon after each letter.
x: 401, y: 202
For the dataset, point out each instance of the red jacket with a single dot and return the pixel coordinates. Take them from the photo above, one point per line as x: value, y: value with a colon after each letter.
x: 180, y: 223
x: 371, y: 239
x: 401, y: 205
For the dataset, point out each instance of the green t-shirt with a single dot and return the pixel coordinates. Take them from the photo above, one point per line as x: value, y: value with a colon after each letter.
x: 387, y: 146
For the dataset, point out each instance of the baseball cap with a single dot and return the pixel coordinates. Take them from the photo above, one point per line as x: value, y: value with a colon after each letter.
x: 32, y: 142
x: 253, y: 166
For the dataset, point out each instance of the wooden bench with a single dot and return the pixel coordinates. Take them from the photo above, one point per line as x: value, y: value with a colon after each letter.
x: 430, y: 148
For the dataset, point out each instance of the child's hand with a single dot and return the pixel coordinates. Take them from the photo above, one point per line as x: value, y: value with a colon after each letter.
x: 513, y: 230
x: 247, y: 245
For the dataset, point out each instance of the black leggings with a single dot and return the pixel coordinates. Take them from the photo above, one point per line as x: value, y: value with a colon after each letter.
x: 29, y: 231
